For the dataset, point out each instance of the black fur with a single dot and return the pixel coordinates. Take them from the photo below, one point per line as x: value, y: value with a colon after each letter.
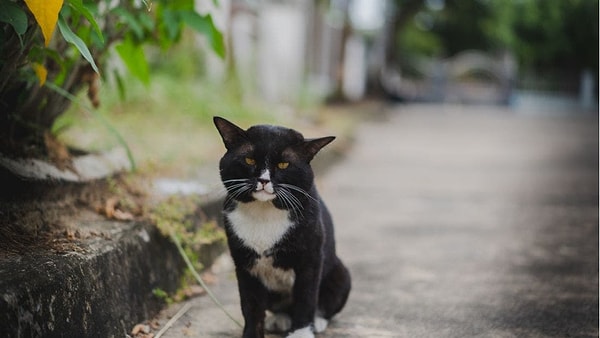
x: 322, y: 282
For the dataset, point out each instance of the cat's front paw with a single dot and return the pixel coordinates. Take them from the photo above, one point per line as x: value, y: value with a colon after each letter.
x: 320, y: 324
x: 278, y: 322
x: 305, y: 332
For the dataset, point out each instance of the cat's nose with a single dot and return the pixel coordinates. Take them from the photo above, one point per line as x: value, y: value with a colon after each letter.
x: 263, y: 181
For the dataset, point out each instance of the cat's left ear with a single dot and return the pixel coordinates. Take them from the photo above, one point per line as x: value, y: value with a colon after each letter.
x: 312, y: 146
x: 231, y: 134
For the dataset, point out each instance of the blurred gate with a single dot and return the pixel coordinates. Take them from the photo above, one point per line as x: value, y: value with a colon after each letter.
x: 468, y: 77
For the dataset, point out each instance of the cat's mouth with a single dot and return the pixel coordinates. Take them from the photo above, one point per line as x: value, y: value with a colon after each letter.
x: 263, y: 195
x: 264, y: 189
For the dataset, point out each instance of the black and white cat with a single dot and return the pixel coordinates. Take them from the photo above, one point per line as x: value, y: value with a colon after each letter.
x: 279, y: 231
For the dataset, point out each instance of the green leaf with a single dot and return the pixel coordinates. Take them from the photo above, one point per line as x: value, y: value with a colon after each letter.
x: 79, y: 7
x: 72, y: 38
x: 180, y: 5
x: 146, y: 21
x: 205, y: 25
x: 14, y: 16
x: 135, y: 60
x: 120, y: 86
x: 172, y: 24
x: 131, y: 22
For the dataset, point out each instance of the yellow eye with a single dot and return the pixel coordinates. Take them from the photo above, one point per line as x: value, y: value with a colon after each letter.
x: 250, y: 161
x: 283, y: 165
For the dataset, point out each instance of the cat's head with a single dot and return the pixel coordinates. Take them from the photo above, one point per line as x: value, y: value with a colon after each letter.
x: 267, y: 163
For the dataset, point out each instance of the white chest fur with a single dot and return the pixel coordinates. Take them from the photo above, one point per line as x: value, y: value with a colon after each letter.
x: 259, y: 224
x: 273, y: 278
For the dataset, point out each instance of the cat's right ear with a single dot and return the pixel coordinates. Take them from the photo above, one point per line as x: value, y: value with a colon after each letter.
x: 231, y: 134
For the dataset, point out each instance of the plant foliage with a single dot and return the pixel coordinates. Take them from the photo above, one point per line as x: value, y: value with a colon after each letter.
x: 34, y: 54
x: 545, y: 36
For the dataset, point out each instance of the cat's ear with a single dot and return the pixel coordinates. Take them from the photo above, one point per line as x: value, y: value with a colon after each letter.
x: 231, y: 134
x: 312, y: 146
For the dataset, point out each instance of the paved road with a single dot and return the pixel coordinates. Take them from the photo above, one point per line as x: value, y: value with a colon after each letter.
x: 458, y: 222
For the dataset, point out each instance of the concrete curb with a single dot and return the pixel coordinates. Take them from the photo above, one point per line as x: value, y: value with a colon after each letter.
x: 102, y: 287
x: 82, y: 169
x: 101, y: 292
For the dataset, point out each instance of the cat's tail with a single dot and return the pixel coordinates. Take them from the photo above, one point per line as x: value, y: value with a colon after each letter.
x: 334, y: 290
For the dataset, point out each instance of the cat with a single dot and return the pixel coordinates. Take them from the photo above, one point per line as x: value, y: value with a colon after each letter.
x: 279, y: 231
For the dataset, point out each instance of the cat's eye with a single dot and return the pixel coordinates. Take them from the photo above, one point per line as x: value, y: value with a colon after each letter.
x: 250, y: 161
x: 283, y: 165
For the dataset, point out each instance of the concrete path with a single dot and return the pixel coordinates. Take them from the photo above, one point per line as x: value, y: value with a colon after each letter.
x: 457, y: 222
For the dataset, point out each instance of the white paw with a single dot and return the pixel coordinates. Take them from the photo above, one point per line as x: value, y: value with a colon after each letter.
x: 320, y: 324
x: 278, y: 322
x: 302, y: 333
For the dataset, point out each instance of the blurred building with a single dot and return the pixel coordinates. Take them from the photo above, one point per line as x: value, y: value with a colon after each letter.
x: 288, y: 50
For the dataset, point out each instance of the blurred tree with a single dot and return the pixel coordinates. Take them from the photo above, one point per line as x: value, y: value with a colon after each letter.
x: 403, y: 15
x: 459, y: 26
x: 545, y: 36
x: 399, y: 19
x: 556, y: 34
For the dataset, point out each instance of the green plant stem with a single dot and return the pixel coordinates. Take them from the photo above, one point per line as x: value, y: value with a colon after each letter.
x: 98, y: 116
x: 179, y: 313
x: 199, y: 279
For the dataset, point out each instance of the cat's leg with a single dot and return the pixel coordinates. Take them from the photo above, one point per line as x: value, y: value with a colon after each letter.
x: 253, y: 300
x: 305, y: 293
x: 334, y: 290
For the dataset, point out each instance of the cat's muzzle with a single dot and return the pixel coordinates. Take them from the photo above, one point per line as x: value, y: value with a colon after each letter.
x: 264, y: 190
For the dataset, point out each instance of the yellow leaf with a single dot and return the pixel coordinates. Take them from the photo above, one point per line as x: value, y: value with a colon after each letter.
x: 46, y: 15
x: 41, y: 72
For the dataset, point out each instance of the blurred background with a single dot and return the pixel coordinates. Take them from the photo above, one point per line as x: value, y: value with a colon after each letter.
x: 474, y: 51
x: 292, y: 60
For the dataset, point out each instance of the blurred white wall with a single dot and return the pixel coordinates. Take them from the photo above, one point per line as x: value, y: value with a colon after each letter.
x: 355, y: 68
x: 285, y: 49
x: 367, y: 15
x: 281, y: 44
x: 243, y: 49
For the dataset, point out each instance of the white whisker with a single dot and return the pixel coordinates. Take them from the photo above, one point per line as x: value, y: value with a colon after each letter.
x: 236, y: 189
x: 294, y: 200
x: 290, y: 201
x: 300, y: 190
x: 235, y: 180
